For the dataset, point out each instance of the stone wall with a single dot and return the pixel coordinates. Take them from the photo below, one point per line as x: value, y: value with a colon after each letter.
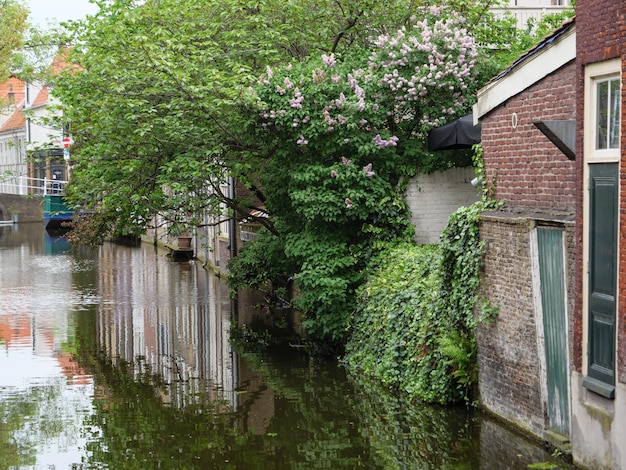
x: 27, y: 208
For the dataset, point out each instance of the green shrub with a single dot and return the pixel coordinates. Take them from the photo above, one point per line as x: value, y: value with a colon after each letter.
x: 415, y: 321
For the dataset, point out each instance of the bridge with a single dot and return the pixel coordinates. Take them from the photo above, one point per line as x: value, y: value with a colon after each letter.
x: 27, y: 199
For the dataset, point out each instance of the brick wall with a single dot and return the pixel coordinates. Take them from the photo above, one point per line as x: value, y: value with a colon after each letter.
x: 509, y: 379
x: 600, y: 36
x: 433, y: 197
x: 527, y: 168
x: 510, y: 372
x: 538, y: 185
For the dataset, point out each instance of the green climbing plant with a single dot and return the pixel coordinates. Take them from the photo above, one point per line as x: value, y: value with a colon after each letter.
x: 414, y: 327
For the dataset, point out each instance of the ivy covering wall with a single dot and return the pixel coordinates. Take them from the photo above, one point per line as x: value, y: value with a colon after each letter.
x: 416, y: 315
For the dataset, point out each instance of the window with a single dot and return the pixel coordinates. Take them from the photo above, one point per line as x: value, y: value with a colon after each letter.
x: 602, y: 111
x: 607, y: 113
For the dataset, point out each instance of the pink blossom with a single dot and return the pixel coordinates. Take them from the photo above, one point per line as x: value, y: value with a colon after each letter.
x: 342, y: 99
x: 368, y: 170
x: 302, y: 141
x: 296, y: 102
x: 348, y: 203
x: 382, y: 143
x: 329, y: 60
x: 346, y: 161
x: 333, y: 174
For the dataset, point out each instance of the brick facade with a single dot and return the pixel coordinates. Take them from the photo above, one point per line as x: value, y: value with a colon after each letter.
x: 510, y: 348
x: 597, y: 430
x: 537, y: 184
x: 601, y: 32
x: 528, y: 170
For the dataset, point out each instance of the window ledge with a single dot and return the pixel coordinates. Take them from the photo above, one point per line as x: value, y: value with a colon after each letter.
x: 596, y: 386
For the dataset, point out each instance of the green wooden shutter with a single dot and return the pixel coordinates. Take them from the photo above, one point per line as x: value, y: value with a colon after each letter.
x: 603, y: 223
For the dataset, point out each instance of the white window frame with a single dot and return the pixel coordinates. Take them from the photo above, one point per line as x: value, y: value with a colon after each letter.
x: 595, y: 74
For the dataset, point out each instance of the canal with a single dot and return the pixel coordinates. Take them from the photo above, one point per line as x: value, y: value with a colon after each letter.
x: 120, y: 358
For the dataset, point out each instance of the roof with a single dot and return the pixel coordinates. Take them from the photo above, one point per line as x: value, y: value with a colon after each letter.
x: 15, y: 121
x: 553, y: 52
x: 13, y: 86
x: 41, y: 98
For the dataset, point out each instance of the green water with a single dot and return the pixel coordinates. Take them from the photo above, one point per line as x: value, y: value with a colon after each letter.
x: 121, y: 359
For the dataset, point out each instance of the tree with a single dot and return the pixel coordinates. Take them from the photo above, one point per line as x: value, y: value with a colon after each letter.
x: 164, y: 104
x: 344, y: 133
x: 13, y: 15
x: 156, y: 104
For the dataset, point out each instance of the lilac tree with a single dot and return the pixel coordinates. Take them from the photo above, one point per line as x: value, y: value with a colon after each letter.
x: 344, y: 133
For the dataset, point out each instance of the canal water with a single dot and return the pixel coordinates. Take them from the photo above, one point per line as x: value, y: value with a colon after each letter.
x: 120, y: 358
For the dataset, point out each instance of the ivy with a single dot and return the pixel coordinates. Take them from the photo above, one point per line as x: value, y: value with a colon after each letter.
x: 415, y: 320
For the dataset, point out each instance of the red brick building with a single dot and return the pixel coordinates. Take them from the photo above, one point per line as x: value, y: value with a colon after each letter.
x: 554, y: 138
x: 598, y: 381
x: 525, y: 356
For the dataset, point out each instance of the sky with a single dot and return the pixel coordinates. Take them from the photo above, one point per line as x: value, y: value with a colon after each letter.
x: 58, y: 10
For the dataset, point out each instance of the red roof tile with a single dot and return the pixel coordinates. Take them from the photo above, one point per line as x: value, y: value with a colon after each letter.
x: 16, y: 121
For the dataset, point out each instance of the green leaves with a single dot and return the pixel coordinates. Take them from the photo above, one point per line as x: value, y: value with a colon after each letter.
x: 13, y: 15
x: 415, y: 320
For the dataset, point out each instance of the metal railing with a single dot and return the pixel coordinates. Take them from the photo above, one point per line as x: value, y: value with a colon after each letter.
x: 27, y: 186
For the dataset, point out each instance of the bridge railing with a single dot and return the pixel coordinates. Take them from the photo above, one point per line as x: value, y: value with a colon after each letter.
x: 24, y: 185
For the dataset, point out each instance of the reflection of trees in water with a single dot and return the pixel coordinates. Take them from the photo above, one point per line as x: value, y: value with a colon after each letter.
x: 313, y: 418
x: 14, y: 413
x: 136, y: 427
x: 314, y: 424
x: 32, y: 419
x: 414, y: 435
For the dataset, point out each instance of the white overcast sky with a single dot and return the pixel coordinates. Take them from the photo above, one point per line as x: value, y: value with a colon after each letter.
x: 42, y: 11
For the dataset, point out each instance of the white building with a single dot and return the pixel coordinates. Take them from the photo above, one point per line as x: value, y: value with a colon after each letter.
x: 524, y: 10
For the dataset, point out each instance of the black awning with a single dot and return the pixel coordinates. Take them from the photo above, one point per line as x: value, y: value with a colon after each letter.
x: 458, y: 134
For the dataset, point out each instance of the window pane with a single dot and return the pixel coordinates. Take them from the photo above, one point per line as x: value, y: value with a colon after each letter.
x: 601, y: 114
x: 614, y: 114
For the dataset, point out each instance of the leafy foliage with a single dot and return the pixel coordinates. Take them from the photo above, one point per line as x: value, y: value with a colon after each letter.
x: 344, y: 133
x: 415, y: 321
x: 166, y: 105
x: 13, y: 16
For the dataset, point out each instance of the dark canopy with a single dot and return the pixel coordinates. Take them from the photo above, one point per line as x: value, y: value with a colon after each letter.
x: 458, y: 134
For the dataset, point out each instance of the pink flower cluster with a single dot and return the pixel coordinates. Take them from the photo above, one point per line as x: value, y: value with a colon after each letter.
x: 296, y: 102
x: 382, y: 143
x: 437, y: 57
x: 329, y: 60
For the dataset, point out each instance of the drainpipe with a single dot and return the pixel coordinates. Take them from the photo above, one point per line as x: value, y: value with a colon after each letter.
x: 232, y: 235
x: 233, y: 222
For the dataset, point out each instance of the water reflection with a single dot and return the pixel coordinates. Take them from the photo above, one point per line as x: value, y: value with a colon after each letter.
x: 173, y: 317
x: 120, y: 359
x: 44, y: 392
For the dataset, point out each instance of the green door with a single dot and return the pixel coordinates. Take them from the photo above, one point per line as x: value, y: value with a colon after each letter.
x: 552, y: 276
x: 603, y: 223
